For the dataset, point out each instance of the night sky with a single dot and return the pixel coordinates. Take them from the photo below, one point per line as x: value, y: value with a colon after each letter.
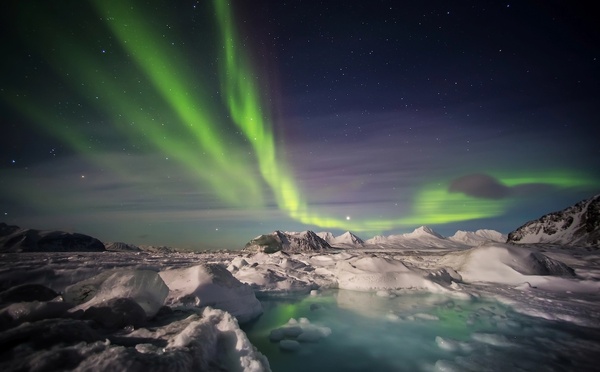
x: 202, y: 124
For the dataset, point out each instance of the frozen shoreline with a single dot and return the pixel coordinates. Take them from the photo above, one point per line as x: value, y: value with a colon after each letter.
x: 550, y: 282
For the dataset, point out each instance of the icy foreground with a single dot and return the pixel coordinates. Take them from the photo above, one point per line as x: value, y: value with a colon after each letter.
x: 139, y: 310
x: 106, y: 311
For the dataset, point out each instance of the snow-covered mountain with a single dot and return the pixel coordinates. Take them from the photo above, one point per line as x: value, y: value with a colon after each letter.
x: 478, y: 237
x: 306, y: 241
x: 349, y: 239
x: 575, y: 225
x: 327, y: 236
x: 422, y: 236
x: 346, y: 239
x: 426, y: 237
x: 423, y: 232
x: 16, y: 239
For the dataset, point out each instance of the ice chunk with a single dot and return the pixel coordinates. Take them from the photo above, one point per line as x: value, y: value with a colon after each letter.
x: 210, y: 342
x: 492, y: 339
x: 212, y: 285
x: 446, y: 344
x: 301, y: 330
x: 145, y: 287
x: 117, y: 313
x: 292, y: 331
x: 32, y: 311
x: 383, y: 293
x: 425, y: 316
x: 27, y: 293
x: 392, y: 317
x: 443, y: 365
x: 452, y: 345
x: 289, y: 345
x: 310, y: 335
x: 277, y: 335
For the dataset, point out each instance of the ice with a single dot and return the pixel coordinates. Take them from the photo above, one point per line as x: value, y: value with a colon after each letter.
x: 289, y: 345
x: 145, y: 287
x: 447, y: 366
x: 502, y: 263
x: 452, y: 345
x: 20, y: 312
x: 216, y: 335
x: 492, y: 339
x: 211, y: 285
x: 424, y: 316
x: 117, y: 313
x: 447, y: 306
x: 295, y: 332
x: 26, y: 293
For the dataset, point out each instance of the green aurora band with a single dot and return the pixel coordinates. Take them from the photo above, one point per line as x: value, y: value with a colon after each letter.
x: 177, y: 117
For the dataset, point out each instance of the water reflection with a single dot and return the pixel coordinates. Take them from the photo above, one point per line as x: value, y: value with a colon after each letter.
x: 419, y: 332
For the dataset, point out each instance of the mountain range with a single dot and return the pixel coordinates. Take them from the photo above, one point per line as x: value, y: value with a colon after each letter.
x: 577, y: 225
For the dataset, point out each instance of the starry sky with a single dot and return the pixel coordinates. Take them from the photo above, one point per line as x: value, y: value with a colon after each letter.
x: 202, y: 124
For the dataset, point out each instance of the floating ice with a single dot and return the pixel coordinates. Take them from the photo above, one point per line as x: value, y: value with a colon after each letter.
x: 289, y: 345
x: 295, y: 331
x: 492, y: 339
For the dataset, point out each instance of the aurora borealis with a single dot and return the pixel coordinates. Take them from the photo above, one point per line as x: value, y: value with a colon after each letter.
x: 202, y: 124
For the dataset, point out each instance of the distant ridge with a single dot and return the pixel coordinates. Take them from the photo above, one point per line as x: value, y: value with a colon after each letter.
x: 293, y: 242
x: 346, y: 239
x: 478, y: 237
x: 576, y: 225
x: 16, y: 239
x: 421, y: 237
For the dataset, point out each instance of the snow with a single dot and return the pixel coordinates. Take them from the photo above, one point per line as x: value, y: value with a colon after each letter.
x: 145, y: 287
x: 425, y: 237
x: 576, y: 225
x: 141, y: 310
x: 211, y: 285
x: 291, y: 335
x: 347, y: 239
x: 478, y: 237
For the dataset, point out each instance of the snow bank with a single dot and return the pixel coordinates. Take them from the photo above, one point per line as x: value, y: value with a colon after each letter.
x: 216, y: 335
x: 211, y: 285
x: 278, y: 272
x: 145, y: 287
x: 211, y: 341
x: 375, y: 273
x: 502, y: 263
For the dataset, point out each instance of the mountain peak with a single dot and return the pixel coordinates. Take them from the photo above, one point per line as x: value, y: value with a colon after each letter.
x: 423, y: 231
x: 305, y: 241
x: 349, y: 238
x: 576, y: 225
x: 477, y: 237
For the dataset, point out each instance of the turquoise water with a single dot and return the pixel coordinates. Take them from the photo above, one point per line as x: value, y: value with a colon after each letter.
x: 418, y: 332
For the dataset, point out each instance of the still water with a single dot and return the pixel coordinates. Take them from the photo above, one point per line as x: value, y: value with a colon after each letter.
x: 415, y: 332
